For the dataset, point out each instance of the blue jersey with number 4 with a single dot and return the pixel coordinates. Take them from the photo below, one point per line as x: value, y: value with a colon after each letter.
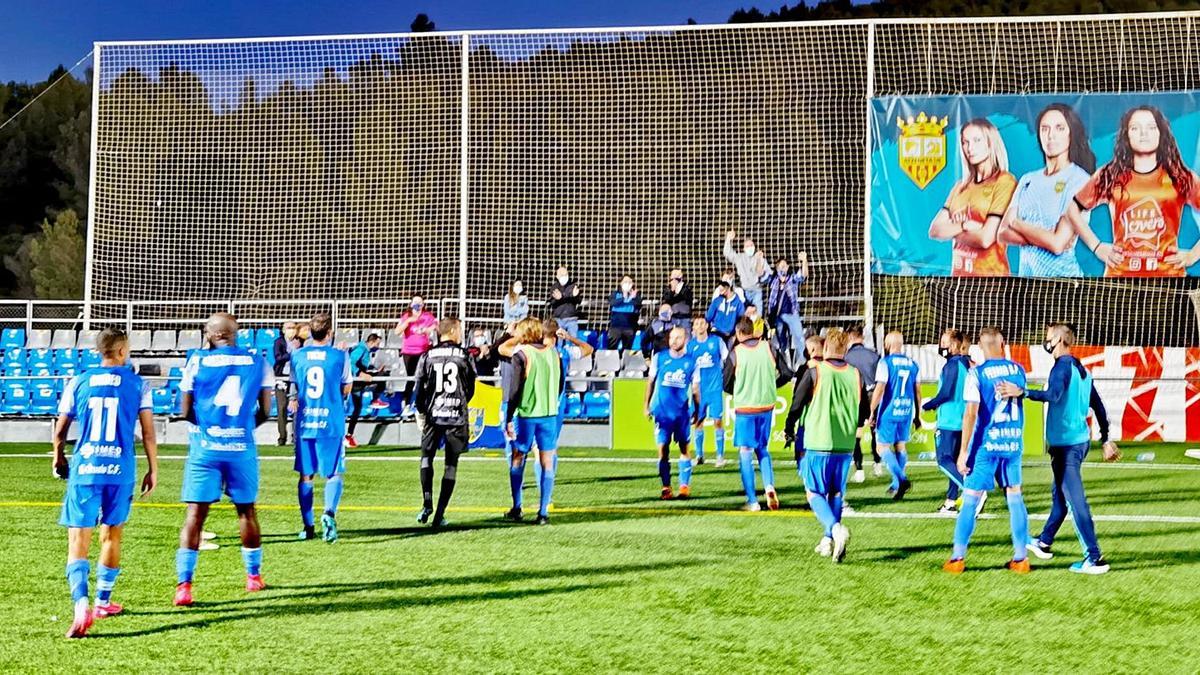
x: 1000, y: 426
x: 320, y: 373
x: 897, y: 374
x: 710, y: 360
x: 225, y: 384
x: 106, y: 403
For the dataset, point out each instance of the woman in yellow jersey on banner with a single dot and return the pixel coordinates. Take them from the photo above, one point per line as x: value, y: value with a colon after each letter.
x: 973, y: 210
x: 1146, y: 186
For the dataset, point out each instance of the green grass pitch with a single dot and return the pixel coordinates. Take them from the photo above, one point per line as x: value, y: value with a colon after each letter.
x: 619, y: 582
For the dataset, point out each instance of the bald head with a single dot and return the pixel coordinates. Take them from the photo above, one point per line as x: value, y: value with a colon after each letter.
x: 991, y: 341
x: 893, y: 342
x: 221, y: 329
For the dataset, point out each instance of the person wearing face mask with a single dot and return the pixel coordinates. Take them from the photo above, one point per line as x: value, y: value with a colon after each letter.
x: 724, y: 311
x: 678, y: 294
x: 283, y: 348
x: 625, y: 305
x: 658, y: 333
x: 564, y: 301
x: 751, y: 266
x: 949, y: 404
x: 419, y: 328
x: 483, y: 357
x: 516, y: 304
x: 783, y: 305
x: 364, y: 375
x: 1069, y: 393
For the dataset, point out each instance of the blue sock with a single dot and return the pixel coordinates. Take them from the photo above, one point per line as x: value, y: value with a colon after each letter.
x: 185, y: 564
x: 893, y: 467
x: 252, y: 559
x: 333, y: 494
x: 824, y: 514
x: 537, y: 471
x: 546, y: 490
x: 698, y: 436
x: 664, y: 470
x: 836, y: 503
x: 746, y: 465
x: 106, y: 578
x: 767, y: 468
x: 720, y: 438
x: 516, y: 477
x: 1018, y: 516
x: 304, y: 493
x: 902, y: 460
x: 965, y: 525
x: 685, y: 470
x: 77, y: 579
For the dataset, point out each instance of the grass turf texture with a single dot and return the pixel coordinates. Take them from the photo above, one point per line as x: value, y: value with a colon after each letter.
x: 618, y: 582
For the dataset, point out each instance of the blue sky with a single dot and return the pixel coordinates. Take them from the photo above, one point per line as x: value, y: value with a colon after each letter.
x: 35, y: 36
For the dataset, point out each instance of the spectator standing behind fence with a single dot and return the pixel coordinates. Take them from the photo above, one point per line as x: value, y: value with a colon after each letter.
x: 678, y: 294
x: 516, y: 304
x: 364, y: 373
x: 658, y: 333
x: 564, y: 301
x: 625, y: 305
x: 751, y: 266
x: 783, y: 303
x: 483, y: 357
x: 284, y: 345
x: 418, y: 327
x: 724, y: 311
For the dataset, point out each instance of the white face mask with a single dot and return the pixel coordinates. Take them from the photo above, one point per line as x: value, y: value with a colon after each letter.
x: 518, y: 289
x: 749, y: 250
x: 626, y: 287
x: 480, y: 341
x: 562, y: 280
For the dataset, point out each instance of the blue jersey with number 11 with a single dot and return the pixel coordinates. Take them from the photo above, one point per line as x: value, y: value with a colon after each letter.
x: 320, y: 372
x: 106, y: 403
x: 225, y: 384
x: 1000, y: 426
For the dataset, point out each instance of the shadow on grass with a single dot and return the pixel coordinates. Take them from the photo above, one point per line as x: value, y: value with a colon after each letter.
x: 310, y: 599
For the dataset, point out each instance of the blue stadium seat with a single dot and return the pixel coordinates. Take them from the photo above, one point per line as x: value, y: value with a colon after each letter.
x: 12, y: 338
x: 43, y: 398
x: 597, y: 404
x: 265, y: 340
x: 40, y: 359
x: 589, y: 336
x: 574, y: 406
x: 16, y: 397
x: 163, y: 400
x: 65, y: 359
x: 245, y: 338
x: 602, y: 341
x: 89, y: 358
x: 69, y: 372
x: 15, y: 359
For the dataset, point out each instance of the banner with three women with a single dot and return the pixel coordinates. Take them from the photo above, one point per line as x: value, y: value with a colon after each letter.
x: 1073, y: 185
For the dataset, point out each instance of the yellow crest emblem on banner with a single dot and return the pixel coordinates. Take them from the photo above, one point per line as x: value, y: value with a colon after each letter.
x: 922, y: 147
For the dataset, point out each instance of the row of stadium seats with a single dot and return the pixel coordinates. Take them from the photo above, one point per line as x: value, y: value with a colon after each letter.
x: 46, y: 362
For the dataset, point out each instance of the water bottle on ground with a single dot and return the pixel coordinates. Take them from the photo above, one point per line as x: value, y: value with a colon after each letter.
x: 1145, y: 457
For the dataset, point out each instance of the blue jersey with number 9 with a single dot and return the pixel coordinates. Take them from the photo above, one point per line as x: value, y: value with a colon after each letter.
x: 225, y: 384
x: 1000, y: 426
x: 320, y: 372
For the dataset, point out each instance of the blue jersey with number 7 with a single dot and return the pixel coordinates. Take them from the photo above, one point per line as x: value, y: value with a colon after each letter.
x: 225, y: 384
x: 1000, y: 426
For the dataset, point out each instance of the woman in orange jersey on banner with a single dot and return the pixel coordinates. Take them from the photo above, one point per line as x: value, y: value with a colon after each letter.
x: 972, y: 213
x: 1146, y: 186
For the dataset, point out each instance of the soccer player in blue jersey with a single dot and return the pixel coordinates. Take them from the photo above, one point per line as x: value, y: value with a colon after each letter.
x: 949, y: 404
x: 108, y: 402
x: 993, y: 431
x: 724, y: 311
x: 894, y: 406
x: 226, y: 395
x: 674, y: 382
x: 321, y: 381
x: 1069, y: 393
x: 710, y: 353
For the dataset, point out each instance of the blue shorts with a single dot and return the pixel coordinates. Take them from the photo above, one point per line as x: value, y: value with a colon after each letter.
x: 677, y: 428
x: 204, y: 479
x: 324, y: 456
x: 712, y: 406
x: 994, y: 468
x: 87, y: 505
x: 540, y: 430
x: 753, y: 430
x: 825, y: 473
x: 890, y: 432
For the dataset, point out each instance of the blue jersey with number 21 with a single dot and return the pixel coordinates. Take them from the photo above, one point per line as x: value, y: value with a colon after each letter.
x: 1000, y: 426
x: 225, y: 384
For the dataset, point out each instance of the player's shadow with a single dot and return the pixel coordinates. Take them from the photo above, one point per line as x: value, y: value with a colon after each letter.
x: 308, y: 599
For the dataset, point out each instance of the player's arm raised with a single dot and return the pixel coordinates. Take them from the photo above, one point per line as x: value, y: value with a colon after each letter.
x: 585, y: 349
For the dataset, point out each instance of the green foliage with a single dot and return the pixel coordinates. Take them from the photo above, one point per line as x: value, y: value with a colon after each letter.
x: 57, y: 258
x: 618, y: 582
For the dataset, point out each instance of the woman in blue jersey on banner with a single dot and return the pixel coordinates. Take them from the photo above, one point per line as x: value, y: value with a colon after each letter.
x: 1043, y: 195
